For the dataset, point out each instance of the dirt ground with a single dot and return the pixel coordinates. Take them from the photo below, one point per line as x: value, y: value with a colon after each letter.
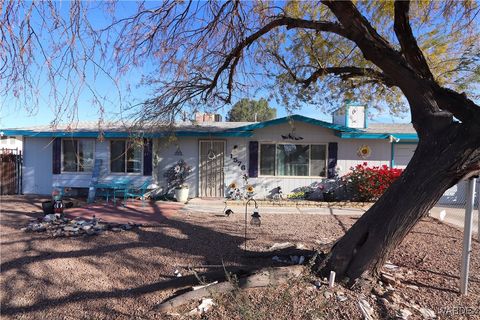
x: 124, y: 275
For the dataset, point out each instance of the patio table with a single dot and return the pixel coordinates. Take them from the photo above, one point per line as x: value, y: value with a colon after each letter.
x: 116, y: 186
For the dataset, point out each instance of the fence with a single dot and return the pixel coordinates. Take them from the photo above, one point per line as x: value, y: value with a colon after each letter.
x: 10, y: 171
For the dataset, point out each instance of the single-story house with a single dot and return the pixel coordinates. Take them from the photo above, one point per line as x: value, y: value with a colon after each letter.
x: 288, y: 152
x: 10, y: 142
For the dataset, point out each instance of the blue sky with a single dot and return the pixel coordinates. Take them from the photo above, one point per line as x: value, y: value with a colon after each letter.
x: 17, y: 117
x: 14, y: 114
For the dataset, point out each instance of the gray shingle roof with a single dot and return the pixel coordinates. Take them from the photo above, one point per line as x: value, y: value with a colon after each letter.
x: 390, y: 128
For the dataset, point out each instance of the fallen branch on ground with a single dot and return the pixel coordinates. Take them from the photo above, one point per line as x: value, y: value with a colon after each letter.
x: 263, y: 278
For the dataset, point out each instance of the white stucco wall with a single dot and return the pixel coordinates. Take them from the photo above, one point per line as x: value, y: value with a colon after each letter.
x: 37, y: 170
x: 38, y: 177
x: 347, y: 155
x: 164, y: 157
x: 82, y: 179
x: 37, y: 166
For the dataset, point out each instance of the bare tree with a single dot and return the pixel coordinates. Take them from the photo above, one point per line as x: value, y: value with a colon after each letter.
x: 420, y: 54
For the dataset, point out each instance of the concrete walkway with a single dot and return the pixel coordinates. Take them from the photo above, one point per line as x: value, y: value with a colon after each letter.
x: 218, y: 206
x: 133, y: 211
x: 454, y: 216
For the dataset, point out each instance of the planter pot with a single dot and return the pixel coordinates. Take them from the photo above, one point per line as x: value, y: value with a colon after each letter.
x: 47, y: 207
x: 328, y: 196
x: 181, y: 194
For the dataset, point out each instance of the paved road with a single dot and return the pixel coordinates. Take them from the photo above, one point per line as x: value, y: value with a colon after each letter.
x: 454, y: 216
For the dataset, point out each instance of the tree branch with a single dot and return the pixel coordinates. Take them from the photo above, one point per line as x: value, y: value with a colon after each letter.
x: 408, y: 43
x: 348, y: 73
x: 281, y: 21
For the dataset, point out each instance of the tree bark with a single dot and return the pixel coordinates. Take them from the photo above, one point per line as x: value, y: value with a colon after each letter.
x: 439, y: 162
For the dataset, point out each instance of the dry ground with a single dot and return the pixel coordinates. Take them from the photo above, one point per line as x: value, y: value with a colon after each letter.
x: 124, y: 275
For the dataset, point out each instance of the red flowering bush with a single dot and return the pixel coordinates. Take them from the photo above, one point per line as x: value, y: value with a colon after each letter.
x: 369, y: 183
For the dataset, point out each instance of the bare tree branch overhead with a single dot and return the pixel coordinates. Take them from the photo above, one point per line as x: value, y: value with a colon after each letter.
x: 420, y: 57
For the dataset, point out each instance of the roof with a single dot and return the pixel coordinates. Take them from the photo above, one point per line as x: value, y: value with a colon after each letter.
x: 391, y: 131
x: 297, y: 117
x: 211, y: 129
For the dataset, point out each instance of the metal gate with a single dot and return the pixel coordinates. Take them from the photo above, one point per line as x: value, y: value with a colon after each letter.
x: 10, y: 171
x: 211, y: 175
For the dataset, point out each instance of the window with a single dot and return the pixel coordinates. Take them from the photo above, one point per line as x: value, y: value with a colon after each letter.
x: 77, y: 155
x: 293, y: 160
x: 125, y: 156
x: 267, y: 159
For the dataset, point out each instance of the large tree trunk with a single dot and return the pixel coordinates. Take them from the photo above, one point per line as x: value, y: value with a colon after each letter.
x: 439, y: 162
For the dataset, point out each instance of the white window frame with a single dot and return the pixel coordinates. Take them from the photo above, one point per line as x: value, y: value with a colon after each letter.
x: 61, y: 156
x: 309, y: 159
x: 140, y: 173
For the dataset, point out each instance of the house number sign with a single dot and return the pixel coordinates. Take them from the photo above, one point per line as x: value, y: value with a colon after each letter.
x: 235, y: 160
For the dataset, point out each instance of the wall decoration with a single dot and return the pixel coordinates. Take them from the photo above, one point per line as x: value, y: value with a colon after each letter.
x: 178, y: 152
x: 364, y: 151
x: 291, y: 136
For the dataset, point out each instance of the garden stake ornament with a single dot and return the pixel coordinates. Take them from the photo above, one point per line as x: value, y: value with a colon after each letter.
x: 255, y: 221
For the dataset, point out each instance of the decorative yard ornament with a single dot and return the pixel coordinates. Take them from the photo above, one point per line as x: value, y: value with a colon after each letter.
x: 249, y: 190
x: 57, y: 201
x: 227, y: 211
x: 255, y: 221
x: 278, y: 194
x: 364, y: 152
x: 234, y: 192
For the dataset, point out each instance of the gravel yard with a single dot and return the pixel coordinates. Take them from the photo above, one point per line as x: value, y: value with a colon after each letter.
x: 123, y: 275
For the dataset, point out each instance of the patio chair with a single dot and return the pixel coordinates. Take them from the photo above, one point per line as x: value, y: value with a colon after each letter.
x: 137, y: 192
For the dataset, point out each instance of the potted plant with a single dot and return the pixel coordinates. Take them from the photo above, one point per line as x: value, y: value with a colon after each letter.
x: 176, y: 177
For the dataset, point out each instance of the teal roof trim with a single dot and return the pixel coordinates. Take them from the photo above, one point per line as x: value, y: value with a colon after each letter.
x: 366, y: 135
x: 243, y: 131
x: 295, y: 117
x: 122, y: 134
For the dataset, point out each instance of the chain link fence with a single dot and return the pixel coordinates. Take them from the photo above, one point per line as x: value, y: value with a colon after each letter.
x: 451, y: 206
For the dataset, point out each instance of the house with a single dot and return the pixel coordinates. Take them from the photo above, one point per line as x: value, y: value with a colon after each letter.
x: 10, y: 142
x: 289, y: 152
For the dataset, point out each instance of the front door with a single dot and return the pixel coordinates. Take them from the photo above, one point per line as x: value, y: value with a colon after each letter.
x: 212, y: 159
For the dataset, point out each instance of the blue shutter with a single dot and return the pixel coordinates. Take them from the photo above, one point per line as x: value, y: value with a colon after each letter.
x: 332, y: 159
x: 57, y: 156
x: 147, y: 157
x: 253, y: 159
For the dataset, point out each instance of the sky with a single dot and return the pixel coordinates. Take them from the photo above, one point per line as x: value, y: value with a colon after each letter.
x: 15, y: 115
x: 11, y: 117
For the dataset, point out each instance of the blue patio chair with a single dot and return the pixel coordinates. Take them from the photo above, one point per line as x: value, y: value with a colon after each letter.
x: 137, y: 192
